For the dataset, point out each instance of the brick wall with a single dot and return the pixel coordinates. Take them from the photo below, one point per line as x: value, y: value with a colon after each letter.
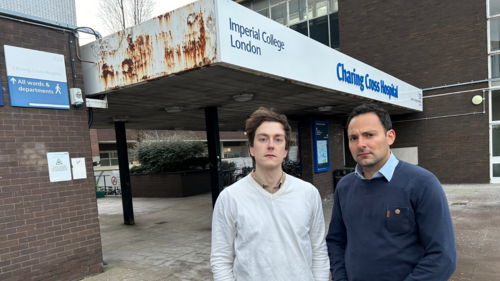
x: 429, y: 43
x: 48, y: 230
x: 323, y: 181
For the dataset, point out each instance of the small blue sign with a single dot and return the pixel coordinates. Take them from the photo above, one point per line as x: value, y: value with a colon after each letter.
x: 1, y: 92
x: 29, y: 92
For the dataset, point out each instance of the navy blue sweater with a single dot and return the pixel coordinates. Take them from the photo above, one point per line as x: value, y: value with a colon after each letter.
x: 394, y: 231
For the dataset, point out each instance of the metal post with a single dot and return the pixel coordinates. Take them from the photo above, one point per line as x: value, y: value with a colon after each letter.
x: 214, y: 156
x: 121, y: 147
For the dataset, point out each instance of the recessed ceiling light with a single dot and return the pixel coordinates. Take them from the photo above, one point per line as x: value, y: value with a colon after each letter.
x: 120, y: 118
x: 180, y: 128
x: 243, y: 97
x: 325, y: 108
x: 173, y: 109
x: 222, y: 123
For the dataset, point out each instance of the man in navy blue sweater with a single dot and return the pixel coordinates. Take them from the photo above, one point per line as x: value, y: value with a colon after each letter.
x: 390, y: 220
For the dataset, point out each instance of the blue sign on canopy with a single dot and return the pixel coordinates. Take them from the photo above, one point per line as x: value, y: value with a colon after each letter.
x: 36, y: 79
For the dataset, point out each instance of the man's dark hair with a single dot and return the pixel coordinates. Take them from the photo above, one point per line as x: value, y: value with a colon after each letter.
x: 382, y: 114
x: 262, y: 115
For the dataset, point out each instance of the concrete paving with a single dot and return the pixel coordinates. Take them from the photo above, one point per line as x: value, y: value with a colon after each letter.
x: 171, y: 237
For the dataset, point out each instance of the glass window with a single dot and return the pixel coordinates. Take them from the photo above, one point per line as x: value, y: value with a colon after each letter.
x: 114, y: 162
x: 258, y: 5
x: 495, y: 34
x: 104, y: 162
x: 495, y: 106
x: 496, y: 170
x: 318, y: 29
x: 104, y: 155
x: 495, y: 135
x: 297, y: 9
x: 300, y: 28
x: 495, y: 69
x: 494, y: 7
x: 334, y: 30
x: 274, y: 2
x: 278, y: 13
x: 333, y: 6
x: 316, y: 8
x: 265, y: 13
x: 248, y: 5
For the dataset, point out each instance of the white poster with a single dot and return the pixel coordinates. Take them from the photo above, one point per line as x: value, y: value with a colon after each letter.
x: 322, y: 152
x: 79, y: 169
x: 59, y: 167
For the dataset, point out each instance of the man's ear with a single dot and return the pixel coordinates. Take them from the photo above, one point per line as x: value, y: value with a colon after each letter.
x: 391, y: 136
x: 251, y: 149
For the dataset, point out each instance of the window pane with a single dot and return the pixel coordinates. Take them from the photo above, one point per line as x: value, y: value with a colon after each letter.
x: 316, y: 8
x: 274, y: 2
x: 260, y: 4
x: 300, y: 28
x: 496, y: 170
x: 248, y: 5
x: 319, y: 29
x: 265, y: 13
x: 114, y: 162
x: 495, y: 106
x: 495, y: 69
x: 334, y: 6
x: 297, y: 10
x: 334, y: 30
x: 104, y: 155
x: 495, y: 135
x: 495, y: 34
x: 278, y: 13
x: 114, y: 155
x: 105, y: 162
x: 494, y: 7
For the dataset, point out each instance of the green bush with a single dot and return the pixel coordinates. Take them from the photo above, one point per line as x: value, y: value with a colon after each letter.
x: 292, y: 168
x: 161, y: 153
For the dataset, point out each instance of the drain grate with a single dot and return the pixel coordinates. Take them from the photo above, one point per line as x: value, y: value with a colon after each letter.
x: 161, y: 222
x: 459, y: 204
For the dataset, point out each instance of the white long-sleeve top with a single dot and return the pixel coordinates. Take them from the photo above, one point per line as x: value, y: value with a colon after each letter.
x: 261, y: 236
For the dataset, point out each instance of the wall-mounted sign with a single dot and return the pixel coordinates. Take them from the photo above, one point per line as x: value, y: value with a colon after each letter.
x: 36, y: 79
x: 59, y: 167
x: 1, y: 92
x: 321, y: 146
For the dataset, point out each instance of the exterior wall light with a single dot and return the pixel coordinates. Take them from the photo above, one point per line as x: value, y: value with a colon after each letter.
x: 243, y: 97
x: 477, y: 100
x: 325, y: 108
x: 174, y: 109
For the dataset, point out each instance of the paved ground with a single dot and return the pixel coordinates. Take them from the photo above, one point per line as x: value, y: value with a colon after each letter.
x: 171, y: 238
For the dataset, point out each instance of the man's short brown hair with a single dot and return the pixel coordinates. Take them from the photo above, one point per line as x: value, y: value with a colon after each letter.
x: 262, y: 115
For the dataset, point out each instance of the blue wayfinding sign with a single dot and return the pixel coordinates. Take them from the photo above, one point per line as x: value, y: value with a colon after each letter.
x: 36, y: 79
x: 1, y: 92
x: 38, y: 93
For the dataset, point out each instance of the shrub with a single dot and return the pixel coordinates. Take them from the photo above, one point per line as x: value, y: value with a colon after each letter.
x: 162, y: 153
x: 292, y: 168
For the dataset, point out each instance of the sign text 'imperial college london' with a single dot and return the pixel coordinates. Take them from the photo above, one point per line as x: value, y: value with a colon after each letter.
x: 253, y: 34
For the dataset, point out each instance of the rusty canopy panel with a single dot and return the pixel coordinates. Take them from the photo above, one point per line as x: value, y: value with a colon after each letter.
x: 177, y: 41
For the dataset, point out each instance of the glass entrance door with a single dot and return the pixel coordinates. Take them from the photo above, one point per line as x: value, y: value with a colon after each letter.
x: 495, y: 153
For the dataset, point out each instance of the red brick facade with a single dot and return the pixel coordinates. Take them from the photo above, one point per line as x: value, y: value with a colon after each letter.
x: 48, y: 230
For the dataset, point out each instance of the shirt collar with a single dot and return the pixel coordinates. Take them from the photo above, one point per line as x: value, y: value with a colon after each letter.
x: 260, y: 183
x: 386, y: 171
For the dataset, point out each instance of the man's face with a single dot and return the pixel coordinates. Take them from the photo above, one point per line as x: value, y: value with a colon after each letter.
x: 269, y: 146
x: 368, y: 142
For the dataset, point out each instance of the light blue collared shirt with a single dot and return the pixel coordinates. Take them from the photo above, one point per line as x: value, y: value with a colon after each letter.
x: 386, y: 171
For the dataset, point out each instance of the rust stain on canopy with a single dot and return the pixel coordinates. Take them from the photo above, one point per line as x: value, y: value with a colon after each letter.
x: 177, y: 41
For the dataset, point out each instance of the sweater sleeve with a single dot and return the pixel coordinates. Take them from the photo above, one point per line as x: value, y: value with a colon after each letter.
x: 223, y: 235
x: 436, y: 234
x: 317, y: 235
x: 336, y: 241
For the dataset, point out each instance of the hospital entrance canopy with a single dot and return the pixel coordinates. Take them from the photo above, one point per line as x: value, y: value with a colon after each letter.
x: 212, y: 51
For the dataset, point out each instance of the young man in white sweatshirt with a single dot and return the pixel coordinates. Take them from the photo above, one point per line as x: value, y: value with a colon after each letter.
x: 269, y: 225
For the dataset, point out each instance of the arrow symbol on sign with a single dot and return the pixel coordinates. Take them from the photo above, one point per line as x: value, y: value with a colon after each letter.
x: 13, y: 81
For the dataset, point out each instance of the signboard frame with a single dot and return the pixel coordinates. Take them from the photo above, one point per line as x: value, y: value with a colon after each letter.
x: 36, y: 78
x: 321, y: 143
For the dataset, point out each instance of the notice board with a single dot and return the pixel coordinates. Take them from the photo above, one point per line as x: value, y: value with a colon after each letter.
x: 321, y: 146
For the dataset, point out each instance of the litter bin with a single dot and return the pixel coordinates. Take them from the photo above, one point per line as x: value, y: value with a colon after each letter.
x: 340, y: 173
x: 99, y: 194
